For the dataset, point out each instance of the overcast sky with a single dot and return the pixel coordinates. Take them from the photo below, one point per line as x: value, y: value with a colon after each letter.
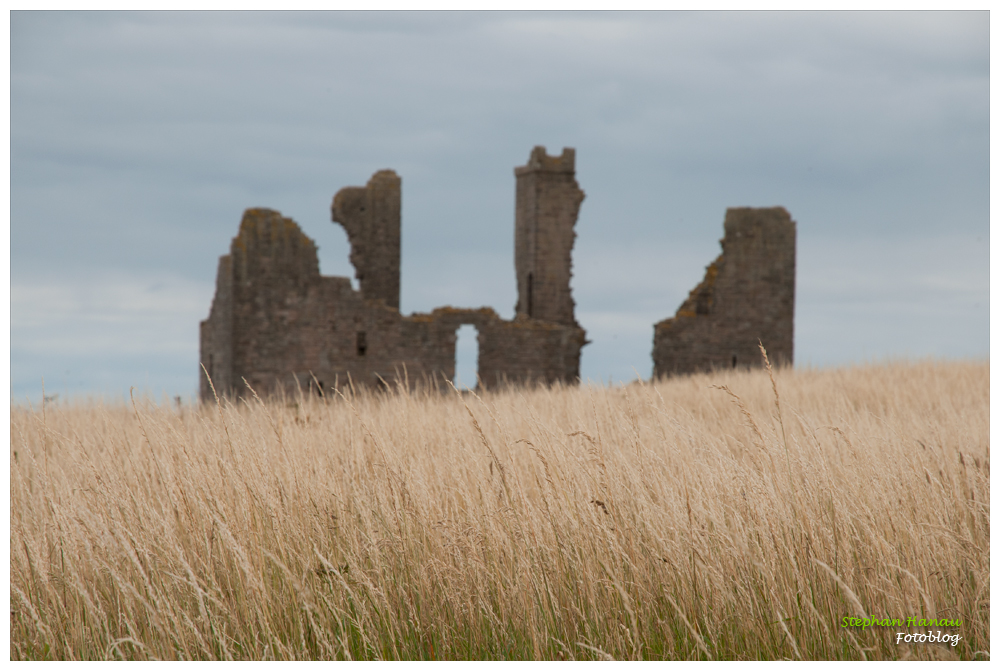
x: 137, y: 140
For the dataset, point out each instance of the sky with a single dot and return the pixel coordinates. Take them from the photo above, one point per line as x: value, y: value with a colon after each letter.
x: 137, y: 140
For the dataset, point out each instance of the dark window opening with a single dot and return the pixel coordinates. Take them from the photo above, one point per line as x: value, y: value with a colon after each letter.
x: 734, y: 361
x: 530, y: 278
x: 362, y: 343
x: 316, y: 387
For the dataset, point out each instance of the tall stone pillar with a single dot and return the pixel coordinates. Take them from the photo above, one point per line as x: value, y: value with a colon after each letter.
x: 548, y: 202
x: 371, y: 217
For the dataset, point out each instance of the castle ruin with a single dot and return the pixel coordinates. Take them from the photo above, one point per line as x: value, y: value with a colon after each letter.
x: 748, y: 295
x: 278, y: 324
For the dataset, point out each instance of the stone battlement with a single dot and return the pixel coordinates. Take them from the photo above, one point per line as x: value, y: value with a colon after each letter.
x: 540, y: 161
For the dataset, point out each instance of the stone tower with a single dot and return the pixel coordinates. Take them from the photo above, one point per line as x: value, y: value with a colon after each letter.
x: 548, y: 202
x: 371, y: 217
x: 748, y: 294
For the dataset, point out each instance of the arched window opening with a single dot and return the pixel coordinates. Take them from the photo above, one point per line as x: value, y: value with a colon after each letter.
x: 466, y: 357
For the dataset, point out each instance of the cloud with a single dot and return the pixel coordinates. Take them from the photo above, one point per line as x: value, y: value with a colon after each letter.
x: 107, y: 315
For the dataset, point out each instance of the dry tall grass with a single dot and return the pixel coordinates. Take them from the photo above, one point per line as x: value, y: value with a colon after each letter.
x: 688, y: 519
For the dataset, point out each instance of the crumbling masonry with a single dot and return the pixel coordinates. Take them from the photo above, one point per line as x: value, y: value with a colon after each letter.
x: 748, y: 294
x: 278, y: 324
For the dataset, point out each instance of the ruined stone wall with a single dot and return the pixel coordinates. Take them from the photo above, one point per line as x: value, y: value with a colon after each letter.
x: 519, y: 351
x: 275, y: 280
x: 748, y: 294
x: 216, y: 335
x: 529, y: 351
x: 371, y: 217
x: 548, y: 202
x: 261, y: 287
x: 278, y: 324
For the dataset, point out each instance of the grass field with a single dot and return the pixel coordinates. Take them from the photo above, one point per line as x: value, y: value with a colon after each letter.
x: 706, y: 517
